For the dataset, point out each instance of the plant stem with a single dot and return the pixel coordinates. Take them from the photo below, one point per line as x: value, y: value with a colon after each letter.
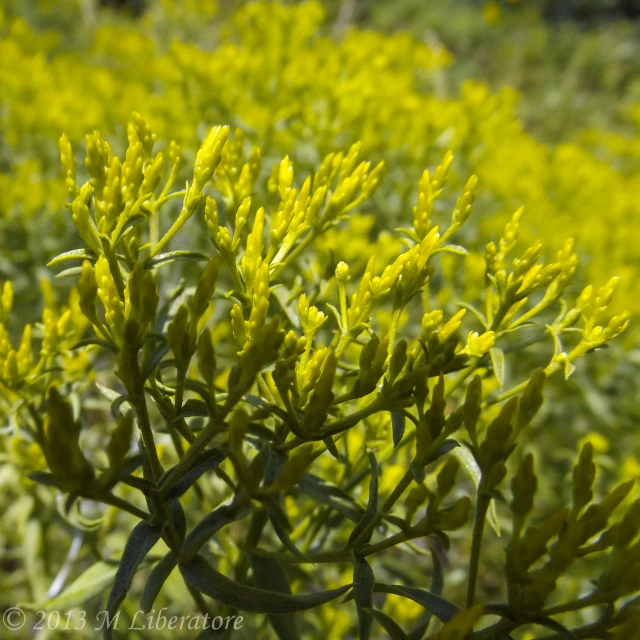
x: 476, y: 544
x: 120, y: 503
x: 401, y: 487
x: 142, y: 413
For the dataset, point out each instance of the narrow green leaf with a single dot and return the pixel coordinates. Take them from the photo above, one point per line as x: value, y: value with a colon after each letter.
x: 372, y: 503
x: 206, y: 461
x: 74, y: 254
x: 363, y: 582
x: 143, y: 537
x: 441, y: 608
x: 388, y: 624
x: 331, y: 447
x: 437, y: 586
x: 210, y: 525
x: 281, y: 525
x: 330, y: 495
x: 269, y: 575
x: 203, y: 577
x: 175, y: 256
x: 398, y: 424
x: 453, y: 248
x: 497, y: 363
x: 43, y: 477
x: 68, y: 273
x: 156, y: 580
x: 86, y: 586
x: 469, y: 463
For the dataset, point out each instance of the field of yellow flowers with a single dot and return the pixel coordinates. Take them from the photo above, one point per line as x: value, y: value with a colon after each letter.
x: 301, y: 304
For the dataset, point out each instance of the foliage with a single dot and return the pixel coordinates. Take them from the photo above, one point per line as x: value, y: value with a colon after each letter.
x: 244, y: 398
x: 225, y: 385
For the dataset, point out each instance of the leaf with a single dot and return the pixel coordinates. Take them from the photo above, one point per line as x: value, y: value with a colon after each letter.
x: 143, y: 537
x: 467, y: 460
x: 477, y: 315
x: 88, y: 342
x: 43, y: 477
x: 86, y: 586
x: 109, y: 394
x: 193, y: 408
x: 554, y: 625
x: 156, y: 580
x: 203, y: 577
x: 210, y: 525
x: 388, y: 624
x: 363, y: 582
x: 67, y: 273
x: 132, y: 221
x: 74, y: 254
x: 437, y: 585
x: 154, y: 360
x: 452, y: 248
x: 175, y: 256
x: 497, y: 363
x: 372, y: 503
x: 206, y: 461
x: 398, y: 424
x: 281, y: 525
x: 269, y: 575
x: 331, y: 447
x: 330, y: 495
x: 438, y: 606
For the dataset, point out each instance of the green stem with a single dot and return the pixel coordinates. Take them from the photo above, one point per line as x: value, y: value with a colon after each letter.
x: 396, y: 494
x: 295, y: 254
x: 120, y: 503
x: 482, y: 507
x: 142, y: 413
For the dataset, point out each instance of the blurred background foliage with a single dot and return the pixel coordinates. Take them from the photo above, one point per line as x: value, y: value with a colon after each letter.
x: 539, y: 98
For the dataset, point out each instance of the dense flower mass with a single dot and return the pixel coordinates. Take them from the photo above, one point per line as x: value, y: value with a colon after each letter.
x: 312, y: 338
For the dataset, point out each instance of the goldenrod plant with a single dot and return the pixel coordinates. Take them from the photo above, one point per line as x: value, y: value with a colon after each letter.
x: 297, y: 442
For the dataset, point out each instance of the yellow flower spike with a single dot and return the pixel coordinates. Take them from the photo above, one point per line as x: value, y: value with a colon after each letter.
x: 606, y: 293
x: 132, y: 171
x: 242, y: 215
x: 362, y: 295
x: 253, y: 254
x: 423, y: 208
x: 24, y: 355
x: 175, y: 156
x: 209, y: 156
x: 477, y: 345
x: 152, y: 174
x: 451, y: 326
x: 109, y: 207
x: 108, y: 294
x: 441, y: 174
x: 88, y: 291
x: 239, y: 326
x: 285, y: 177
x: 211, y: 217
x: 6, y: 300
x: 430, y: 323
x: 617, y: 325
x: 373, y: 180
x: 144, y: 133
x: 10, y: 370
x: 97, y: 160
x: 463, y: 205
x: 81, y: 217
x: 511, y: 232
x: 68, y: 162
x: 51, y: 338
